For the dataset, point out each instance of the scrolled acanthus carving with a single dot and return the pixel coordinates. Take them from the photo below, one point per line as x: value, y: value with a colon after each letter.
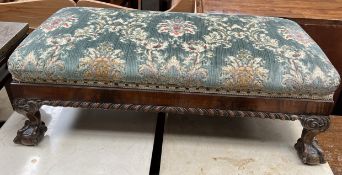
x: 320, y: 123
x: 24, y: 106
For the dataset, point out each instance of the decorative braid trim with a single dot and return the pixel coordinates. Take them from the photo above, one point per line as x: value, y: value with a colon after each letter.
x: 20, y: 103
x: 173, y: 88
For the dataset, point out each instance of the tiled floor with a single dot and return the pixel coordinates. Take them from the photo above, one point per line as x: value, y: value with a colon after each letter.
x: 85, y: 142
x: 249, y: 146
x: 106, y: 142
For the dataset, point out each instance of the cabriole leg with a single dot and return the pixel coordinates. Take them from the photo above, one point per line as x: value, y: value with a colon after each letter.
x: 307, y: 146
x: 34, y: 129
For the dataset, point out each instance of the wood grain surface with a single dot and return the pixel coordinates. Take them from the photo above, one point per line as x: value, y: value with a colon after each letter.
x: 313, y: 9
x: 177, y: 5
x: 33, y: 12
x: 168, y: 98
x: 182, y: 6
x: 331, y: 143
x: 99, y: 4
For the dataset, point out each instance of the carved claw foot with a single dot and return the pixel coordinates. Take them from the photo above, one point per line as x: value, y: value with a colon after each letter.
x: 310, y: 154
x: 307, y: 146
x: 31, y: 134
x: 34, y: 129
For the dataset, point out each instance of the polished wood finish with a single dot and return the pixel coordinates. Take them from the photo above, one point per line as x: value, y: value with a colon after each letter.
x: 176, y: 6
x: 33, y: 12
x: 99, y: 4
x: 182, y: 6
x: 332, y: 144
x: 307, y: 146
x: 34, y: 128
x: 164, y: 98
x: 308, y: 9
x: 322, y: 20
x: 28, y: 98
x: 36, y: 12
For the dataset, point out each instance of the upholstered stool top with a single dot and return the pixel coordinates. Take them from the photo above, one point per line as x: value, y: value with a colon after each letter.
x: 207, y: 53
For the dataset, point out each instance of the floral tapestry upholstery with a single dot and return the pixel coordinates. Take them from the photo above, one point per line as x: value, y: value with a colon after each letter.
x: 206, y: 53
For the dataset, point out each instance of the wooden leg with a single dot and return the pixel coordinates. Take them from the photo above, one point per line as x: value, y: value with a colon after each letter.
x: 307, y: 146
x: 33, y: 131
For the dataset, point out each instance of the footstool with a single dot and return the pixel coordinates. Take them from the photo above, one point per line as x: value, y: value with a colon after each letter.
x: 207, y: 64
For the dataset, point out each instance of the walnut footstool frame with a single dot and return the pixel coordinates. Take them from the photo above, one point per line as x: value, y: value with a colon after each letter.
x: 28, y: 98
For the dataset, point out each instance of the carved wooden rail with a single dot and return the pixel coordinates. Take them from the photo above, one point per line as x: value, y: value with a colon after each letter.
x: 26, y: 105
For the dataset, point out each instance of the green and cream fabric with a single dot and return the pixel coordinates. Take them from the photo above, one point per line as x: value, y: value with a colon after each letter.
x: 207, y: 53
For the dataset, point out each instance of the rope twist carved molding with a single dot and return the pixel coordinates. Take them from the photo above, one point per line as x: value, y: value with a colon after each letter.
x: 307, y: 147
x: 28, y: 105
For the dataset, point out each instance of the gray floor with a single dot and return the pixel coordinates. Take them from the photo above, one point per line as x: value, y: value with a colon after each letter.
x: 237, y: 146
x: 77, y: 142
x: 5, y: 106
x: 91, y: 142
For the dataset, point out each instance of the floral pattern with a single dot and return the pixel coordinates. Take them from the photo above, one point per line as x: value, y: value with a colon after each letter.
x: 102, y: 63
x: 210, y: 53
x: 34, y: 64
x: 244, y: 72
x: 177, y: 27
x: 54, y: 23
x: 291, y: 33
